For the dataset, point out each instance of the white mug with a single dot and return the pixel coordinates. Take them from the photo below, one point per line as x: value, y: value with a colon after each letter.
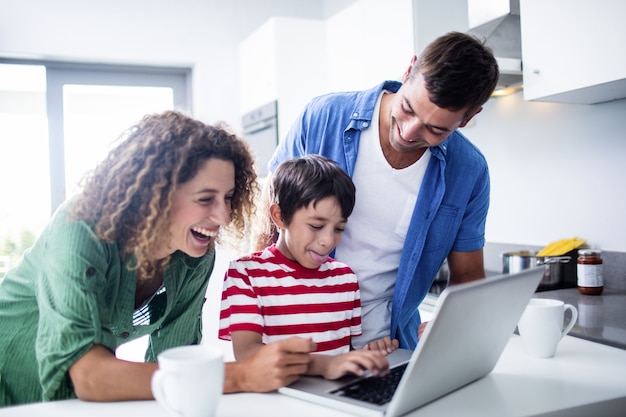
x: 542, y: 326
x: 190, y: 380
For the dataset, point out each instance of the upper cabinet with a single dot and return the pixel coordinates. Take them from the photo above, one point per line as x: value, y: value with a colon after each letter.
x: 573, y: 51
x: 284, y: 60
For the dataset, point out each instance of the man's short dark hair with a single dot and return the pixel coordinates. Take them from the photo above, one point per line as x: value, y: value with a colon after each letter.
x: 459, y: 71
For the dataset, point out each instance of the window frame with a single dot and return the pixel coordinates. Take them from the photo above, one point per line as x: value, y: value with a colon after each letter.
x: 60, y: 73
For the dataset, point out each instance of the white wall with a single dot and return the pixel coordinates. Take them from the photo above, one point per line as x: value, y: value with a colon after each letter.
x: 369, y: 42
x: 557, y: 171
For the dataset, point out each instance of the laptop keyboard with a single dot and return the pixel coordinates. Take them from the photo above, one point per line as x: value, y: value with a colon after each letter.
x: 375, y: 389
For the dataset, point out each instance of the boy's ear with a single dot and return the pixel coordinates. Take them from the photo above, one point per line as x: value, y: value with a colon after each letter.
x: 276, y: 216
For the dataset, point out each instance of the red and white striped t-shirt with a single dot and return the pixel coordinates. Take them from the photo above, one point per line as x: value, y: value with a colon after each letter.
x: 269, y: 294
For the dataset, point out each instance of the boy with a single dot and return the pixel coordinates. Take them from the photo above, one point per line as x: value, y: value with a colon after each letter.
x: 294, y: 287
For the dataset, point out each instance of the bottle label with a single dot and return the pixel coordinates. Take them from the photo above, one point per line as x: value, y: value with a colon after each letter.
x: 590, y: 275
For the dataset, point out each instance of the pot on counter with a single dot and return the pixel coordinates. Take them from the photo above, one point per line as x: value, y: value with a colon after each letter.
x: 558, y: 269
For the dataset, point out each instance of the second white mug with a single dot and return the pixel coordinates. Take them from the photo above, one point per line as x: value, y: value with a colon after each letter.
x: 541, y: 326
x: 190, y: 380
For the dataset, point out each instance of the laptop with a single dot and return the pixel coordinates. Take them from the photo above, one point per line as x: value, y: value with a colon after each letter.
x: 472, y: 323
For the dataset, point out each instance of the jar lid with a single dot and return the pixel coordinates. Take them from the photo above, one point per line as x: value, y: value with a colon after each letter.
x: 589, y: 252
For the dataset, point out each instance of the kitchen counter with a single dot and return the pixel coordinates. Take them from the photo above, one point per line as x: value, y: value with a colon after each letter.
x: 583, y: 379
x: 601, y: 318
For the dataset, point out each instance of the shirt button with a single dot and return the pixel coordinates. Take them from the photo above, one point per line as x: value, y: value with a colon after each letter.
x: 90, y: 271
x: 365, y: 124
x: 355, y: 114
x: 124, y: 335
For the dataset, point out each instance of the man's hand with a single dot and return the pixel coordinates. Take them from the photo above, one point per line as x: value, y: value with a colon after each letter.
x: 271, y: 367
x: 384, y: 346
x: 420, y: 330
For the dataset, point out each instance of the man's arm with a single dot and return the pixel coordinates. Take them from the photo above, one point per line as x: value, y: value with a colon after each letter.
x: 465, y: 266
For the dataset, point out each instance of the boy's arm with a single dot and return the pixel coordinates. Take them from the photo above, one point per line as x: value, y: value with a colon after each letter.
x: 245, y: 343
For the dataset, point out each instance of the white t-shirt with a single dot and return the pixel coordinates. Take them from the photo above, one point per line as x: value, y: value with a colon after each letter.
x: 374, y: 235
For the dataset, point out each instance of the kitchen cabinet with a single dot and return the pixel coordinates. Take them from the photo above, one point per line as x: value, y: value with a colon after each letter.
x: 283, y: 60
x: 573, y: 50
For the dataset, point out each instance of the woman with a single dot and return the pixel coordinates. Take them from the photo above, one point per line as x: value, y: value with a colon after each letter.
x: 129, y: 256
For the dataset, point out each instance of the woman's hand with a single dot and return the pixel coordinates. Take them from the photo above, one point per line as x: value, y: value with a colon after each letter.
x: 355, y: 362
x: 383, y: 346
x: 270, y: 367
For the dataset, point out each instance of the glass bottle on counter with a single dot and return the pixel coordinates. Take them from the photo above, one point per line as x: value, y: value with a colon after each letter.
x: 590, y: 272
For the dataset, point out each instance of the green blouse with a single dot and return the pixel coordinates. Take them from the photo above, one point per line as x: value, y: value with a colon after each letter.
x: 71, y: 291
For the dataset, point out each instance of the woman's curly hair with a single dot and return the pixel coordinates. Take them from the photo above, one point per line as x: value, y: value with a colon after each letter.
x: 127, y: 199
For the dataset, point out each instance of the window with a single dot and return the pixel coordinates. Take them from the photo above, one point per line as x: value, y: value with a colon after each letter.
x: 57, y: 120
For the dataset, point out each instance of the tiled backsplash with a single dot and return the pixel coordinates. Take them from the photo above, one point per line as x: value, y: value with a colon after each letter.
x: 614, y: 262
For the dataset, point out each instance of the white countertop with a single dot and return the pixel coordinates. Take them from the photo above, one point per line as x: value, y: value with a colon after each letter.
x: 583, y: 379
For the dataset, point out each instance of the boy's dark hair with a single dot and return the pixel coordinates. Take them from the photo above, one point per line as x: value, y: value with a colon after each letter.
x: 459, y: 72
x: 308, y: 179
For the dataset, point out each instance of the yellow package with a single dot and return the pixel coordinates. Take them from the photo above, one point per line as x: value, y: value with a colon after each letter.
x: 561, y: 247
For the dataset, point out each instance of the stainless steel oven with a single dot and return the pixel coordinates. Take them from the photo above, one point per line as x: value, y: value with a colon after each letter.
x: 260, y: 130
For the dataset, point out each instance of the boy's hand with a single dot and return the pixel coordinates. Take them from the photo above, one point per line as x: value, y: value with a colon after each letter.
x: 384, y: 346
x: 355, y: 362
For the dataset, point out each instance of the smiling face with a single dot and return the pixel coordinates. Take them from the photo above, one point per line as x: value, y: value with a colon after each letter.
x: 415, y: 122
x: 313, y: 232
x: 200, y: 207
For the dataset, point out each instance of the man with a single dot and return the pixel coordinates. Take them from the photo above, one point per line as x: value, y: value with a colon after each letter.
x: 422, y: 187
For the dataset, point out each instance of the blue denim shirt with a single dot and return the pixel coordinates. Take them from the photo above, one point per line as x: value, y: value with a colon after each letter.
x: 449, y: 214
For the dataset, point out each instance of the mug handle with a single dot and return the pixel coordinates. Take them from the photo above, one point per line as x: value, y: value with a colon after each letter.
x: 572, y: 320
x: 158, y: 390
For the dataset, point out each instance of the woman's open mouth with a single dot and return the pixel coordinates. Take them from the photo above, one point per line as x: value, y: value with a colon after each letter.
x: 202, y: 234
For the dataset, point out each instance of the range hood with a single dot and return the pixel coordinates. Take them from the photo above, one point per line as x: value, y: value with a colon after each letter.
x: 503, y: 35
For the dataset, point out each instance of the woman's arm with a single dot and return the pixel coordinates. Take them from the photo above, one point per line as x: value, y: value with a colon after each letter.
x: 99, y: 376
